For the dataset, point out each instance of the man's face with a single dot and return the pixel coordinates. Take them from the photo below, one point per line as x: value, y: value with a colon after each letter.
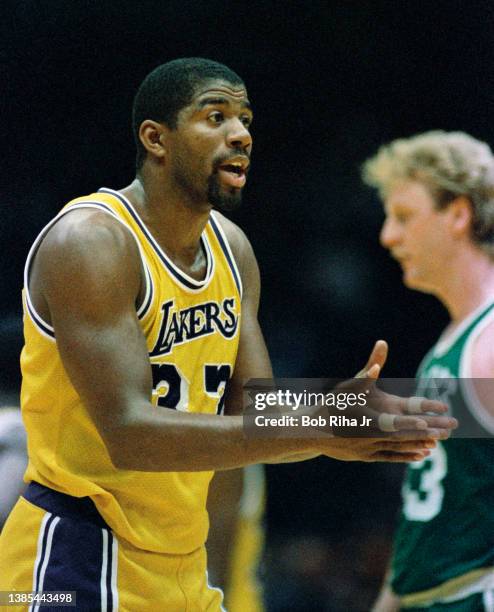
x: 211, y: 146
x: 418, y: 235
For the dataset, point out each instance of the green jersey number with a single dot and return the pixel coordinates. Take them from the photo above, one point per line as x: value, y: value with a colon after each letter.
x: 423, y: 491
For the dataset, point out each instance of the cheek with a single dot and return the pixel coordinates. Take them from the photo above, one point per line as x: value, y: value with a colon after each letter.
x: 437, y: 249
x: 198, y: 153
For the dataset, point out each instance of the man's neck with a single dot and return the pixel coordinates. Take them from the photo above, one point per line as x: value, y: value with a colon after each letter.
x: 468, y: 285
x: 176, y: 226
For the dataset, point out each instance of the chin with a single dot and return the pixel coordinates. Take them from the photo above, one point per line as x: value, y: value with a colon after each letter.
x: 417, y: 284
x: 221, y: 198
x: 226, y: 201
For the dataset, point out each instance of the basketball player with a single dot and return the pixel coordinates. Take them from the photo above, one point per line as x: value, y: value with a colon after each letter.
x: 140, y: 306
x: 13, y: 458
x: 438, y: 192
x: 236, y: 536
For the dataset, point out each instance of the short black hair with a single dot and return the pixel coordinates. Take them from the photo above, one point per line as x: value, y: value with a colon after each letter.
x: 169, y: 88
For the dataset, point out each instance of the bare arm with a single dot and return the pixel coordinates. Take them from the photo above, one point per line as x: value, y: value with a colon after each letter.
x: 253, y: 363
x: 481, y: 371
x: 253, y: 358
x: 13, y: 459
x: 386, y: 601
x: 87, y: 274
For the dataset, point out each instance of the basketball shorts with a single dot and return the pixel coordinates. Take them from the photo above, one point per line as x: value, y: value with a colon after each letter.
x: 55, y: 542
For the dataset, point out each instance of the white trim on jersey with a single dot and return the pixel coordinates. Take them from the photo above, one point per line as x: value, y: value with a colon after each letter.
x: 43, y: 327
x: 485, y: 584
x: 177, y: 275
x: 477, y: 409
x: 227, y: 244
x: 488, y: 601
x: 446, y: 340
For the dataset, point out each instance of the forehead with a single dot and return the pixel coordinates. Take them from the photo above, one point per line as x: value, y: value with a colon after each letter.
x: 410, y: 194
x: 221, y: 91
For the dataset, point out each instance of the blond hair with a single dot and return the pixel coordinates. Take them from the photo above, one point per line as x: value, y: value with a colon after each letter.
x: 449, y: 164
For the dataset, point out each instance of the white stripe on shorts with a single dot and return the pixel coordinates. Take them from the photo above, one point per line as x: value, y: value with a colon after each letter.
x: 45, y: 555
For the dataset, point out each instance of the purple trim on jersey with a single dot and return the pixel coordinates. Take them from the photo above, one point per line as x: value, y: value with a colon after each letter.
x: 227, y: 253
x: 39, y: 322
x: 172, y: 270
x: 145, y: 307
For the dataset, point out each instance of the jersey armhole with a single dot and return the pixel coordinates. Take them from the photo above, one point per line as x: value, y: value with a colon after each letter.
x: 43, y: 327
x: 225, y: 247
x: 477, y: 409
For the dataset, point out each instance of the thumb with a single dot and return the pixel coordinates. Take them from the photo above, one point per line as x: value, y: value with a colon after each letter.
x: 377, y: 357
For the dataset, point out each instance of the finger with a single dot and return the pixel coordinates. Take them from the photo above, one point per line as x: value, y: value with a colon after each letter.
x: 440, y: 422
x: 424, y: 422
x: 387, y: 422
x: 394, y: 422
x: 378, y: 355
x: 377, y: 358
x: 424, y: 434
x: 408, y: 446
x: 394, y: 457
x: 371, y: 374
x: 438, y: 434
x: 364, y: 372
x: 416, y: 405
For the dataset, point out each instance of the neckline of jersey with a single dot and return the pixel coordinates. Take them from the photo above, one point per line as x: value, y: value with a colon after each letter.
x: 444, y: 344
x: 186, y: 281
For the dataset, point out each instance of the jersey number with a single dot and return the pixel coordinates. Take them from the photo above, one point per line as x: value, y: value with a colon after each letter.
x: 423, y: 501
x: 172, y: 388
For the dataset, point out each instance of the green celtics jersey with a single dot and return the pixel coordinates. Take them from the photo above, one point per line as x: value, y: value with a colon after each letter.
x: 444, y: 546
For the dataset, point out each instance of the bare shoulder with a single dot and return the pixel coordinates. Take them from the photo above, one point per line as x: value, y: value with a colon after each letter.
x: 87, y: 239
x: 87, y: 229
x: 482, y: 355
x: 480, y: 368
x: 86, y: 252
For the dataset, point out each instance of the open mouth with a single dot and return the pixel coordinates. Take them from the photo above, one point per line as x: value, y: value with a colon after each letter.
x: 233, y: 174
x: 235, y: 168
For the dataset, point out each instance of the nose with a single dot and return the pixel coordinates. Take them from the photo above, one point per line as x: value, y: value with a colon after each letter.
x: 238, y: 135
x: 390, y: 234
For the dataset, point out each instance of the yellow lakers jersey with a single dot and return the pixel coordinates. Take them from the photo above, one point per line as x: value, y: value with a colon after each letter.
x: 192, y: 330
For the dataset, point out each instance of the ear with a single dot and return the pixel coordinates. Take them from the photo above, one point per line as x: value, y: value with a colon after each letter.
x: 461, y: 216
x: 153, y: 137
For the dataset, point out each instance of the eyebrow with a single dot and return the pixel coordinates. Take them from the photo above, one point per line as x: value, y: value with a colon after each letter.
x: 220, y: 100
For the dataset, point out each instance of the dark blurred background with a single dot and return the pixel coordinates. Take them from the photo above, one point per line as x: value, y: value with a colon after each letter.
x: 329, y: 81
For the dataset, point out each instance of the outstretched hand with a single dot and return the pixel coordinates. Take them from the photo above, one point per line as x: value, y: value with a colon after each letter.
x: 399, y: 414
x: 401, y: 430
